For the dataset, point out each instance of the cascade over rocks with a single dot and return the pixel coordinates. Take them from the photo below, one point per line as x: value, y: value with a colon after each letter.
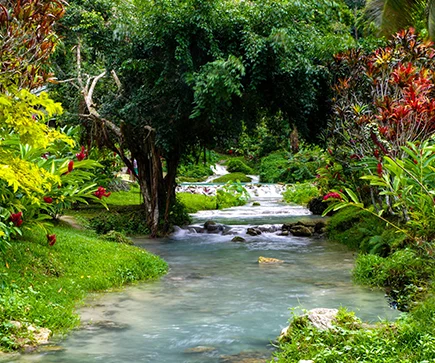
x: 213, y: 227
x: 238, y: 239
x: 305, y: 228
x: 253, y: 231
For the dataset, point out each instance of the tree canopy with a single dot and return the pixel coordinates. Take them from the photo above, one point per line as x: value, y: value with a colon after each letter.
x: 192, y: 73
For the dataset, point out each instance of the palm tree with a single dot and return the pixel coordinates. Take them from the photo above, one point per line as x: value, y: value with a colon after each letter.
x: 393, y: 15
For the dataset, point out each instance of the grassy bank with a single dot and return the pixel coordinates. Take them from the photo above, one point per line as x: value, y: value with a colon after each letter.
x: 411, y: 339
x: 385, y: 261
x: 42, y: 285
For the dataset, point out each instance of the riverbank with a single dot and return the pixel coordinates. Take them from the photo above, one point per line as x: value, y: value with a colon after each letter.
x: 383, y: 262
x: 41, y: 285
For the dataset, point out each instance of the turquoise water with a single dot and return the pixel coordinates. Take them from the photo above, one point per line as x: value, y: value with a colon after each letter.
x: 217, y: 304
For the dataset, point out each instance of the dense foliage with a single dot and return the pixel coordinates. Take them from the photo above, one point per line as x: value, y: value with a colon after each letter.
x: 195, y: 73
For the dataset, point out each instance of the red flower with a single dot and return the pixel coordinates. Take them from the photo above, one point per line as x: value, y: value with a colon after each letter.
x: 230, y: 152
x: 376, y: 153
x: 101, y: 192
x: 379, y: 169
x: 48, y: 200
x: 82, y: 154
x: 332, y: 195
x: 70, y: 166
x: 51, y: 238
x: 15, y: 218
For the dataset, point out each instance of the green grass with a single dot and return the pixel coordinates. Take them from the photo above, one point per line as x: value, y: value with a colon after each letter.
x: 409, y: 340
x: 233, y: 177
x: 132, y: 197
x: 42, y: 285
x: 197, y: 202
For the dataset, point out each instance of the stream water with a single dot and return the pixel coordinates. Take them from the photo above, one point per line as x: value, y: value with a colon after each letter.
x: 217, y: 303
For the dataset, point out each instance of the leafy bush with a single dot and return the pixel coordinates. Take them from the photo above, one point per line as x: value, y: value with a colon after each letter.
x: 179, y: 214
x: 300, y: 193
x: 273, y: 167
x: 291, y: 168
x: 199, y: 172
x: 118, y: 237
x: 230, y: 195
x: 130, y: 221
x: 197, y: 202
x: 237, y: 165
x: 404, y: 273
x: 410, y: 339
x: 353, y: 227
x: 233, y: 177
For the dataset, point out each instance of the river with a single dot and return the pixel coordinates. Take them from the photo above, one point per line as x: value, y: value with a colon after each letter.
x: 217, y: 303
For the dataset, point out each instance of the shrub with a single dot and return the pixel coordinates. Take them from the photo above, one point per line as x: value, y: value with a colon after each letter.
x: 230, y: 195
x: 300, y: 193
x: 196, y: 171
x: 237, y: 165
x: 404, y: 273
x: 197, y: 202
x: 118, y: 237
x: 233, y: 177
x: 130, y: 221
x: 179, y: 214
x: 352, y: 226
x: 272, y: 167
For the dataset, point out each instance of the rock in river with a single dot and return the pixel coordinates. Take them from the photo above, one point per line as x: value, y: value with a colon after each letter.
x: 268, y: 260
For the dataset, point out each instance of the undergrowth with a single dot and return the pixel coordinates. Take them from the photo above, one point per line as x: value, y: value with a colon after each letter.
x: 411, y: 339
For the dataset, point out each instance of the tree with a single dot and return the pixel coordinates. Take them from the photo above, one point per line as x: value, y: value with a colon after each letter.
x: 32, y: 181
x: 393, y: 15
x: 191, y: 73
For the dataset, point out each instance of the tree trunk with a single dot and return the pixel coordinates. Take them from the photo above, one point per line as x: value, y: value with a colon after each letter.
x: 170, y: 185
x: 150, y: 178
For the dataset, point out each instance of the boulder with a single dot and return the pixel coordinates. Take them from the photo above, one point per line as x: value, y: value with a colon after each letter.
x: 315, y: 225
x: 269, y: 260
x: 41, y: 335
x: 253, y: 231
x: 238, y: 239
x: 200, y: 349
x: 213, y: 227
x: 316, y: 206
x: 301, y: 231
x: 268, y: 229
x: 320, y: 318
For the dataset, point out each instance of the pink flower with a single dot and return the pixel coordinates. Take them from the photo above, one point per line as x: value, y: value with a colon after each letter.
x: 101, y: 192
x: 51, y: 238
x: 82, y: 154
x: 332, y: 195
x: 16, y: 219
x: 379, y: 169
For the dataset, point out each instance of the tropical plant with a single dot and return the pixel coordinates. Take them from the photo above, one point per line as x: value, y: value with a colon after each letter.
x: 34, y: 183
x: 393, y: 15
x: 231, y: 194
